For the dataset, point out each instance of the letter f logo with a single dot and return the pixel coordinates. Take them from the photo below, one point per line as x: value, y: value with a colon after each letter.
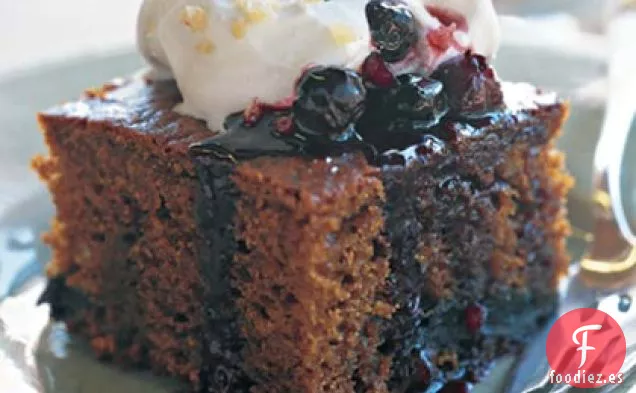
x: 583, y: 344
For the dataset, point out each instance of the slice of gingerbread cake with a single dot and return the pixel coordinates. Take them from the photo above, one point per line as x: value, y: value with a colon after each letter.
x: 309, y: 197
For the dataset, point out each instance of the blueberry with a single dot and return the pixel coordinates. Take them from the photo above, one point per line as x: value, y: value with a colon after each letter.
x: 470, y: 84
x: 329, y: 101
x: 419, y: 98
x: 398, y: 116
x: 393, y: 28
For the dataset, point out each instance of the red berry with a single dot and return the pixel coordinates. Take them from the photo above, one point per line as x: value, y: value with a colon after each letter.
x: 431, y: 146
x: 423, y: 373
x: 285, y: 125
x: 475, y: 317
x: 472, y: 375
x: 253, y: 113
x: 442, y: 38
x: 456, y: 387
x: 375, y: 70
x: 470, y: 85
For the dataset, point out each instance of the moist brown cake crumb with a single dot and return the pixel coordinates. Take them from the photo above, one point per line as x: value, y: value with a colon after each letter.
x: 124, y: 233
x: 315, y: 277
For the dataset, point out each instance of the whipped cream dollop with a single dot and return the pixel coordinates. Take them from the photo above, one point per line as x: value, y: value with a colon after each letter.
x: 223, y: 54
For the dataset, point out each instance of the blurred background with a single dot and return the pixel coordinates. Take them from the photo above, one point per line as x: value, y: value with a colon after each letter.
x: 44, y: 31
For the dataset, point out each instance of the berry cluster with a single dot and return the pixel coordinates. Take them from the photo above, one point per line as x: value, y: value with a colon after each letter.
x: 335, y: 107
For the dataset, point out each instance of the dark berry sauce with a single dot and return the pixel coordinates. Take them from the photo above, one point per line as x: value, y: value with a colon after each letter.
x: 335, y: 109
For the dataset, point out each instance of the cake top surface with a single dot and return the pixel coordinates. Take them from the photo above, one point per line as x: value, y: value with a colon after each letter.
x: 144, y: 108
